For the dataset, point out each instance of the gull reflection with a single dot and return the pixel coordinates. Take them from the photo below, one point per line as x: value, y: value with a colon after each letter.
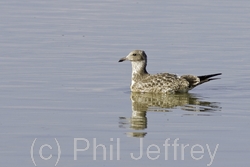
x: 150, y: 102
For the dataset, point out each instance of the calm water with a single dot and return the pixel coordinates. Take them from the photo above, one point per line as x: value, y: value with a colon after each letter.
x: 63, y: 90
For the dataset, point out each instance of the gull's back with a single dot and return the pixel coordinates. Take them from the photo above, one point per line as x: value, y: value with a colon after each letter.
x: 160, y: 83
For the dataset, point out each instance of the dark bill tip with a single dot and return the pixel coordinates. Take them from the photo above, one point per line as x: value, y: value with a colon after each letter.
x: 122, y: 59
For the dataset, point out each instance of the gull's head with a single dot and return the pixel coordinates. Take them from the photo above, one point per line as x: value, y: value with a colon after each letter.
x: 136, y: 55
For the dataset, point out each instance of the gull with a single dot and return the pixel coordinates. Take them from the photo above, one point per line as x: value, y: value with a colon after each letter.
x: 142, y: 81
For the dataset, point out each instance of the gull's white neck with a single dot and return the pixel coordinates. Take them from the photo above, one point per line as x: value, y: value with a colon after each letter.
x: 138, y: 70
x: 139, y: 67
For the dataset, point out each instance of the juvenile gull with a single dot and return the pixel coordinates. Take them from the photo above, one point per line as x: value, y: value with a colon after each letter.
x: 142, y: 81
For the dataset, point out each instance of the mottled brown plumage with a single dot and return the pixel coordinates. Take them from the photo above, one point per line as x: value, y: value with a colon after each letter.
x: 142, y: 81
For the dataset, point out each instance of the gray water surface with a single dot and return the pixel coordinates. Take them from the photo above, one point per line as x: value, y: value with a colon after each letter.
x: 63, y: 90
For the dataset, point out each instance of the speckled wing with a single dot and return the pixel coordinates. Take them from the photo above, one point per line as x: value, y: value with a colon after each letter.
x: 162, y: 82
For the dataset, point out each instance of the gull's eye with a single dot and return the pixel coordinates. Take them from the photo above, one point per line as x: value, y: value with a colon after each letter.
x: 134, y: 54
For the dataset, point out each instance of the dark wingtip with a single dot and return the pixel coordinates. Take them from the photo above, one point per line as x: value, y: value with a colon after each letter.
x: 218, y: 74
x: 213, y: 79
x: 203, y: 77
